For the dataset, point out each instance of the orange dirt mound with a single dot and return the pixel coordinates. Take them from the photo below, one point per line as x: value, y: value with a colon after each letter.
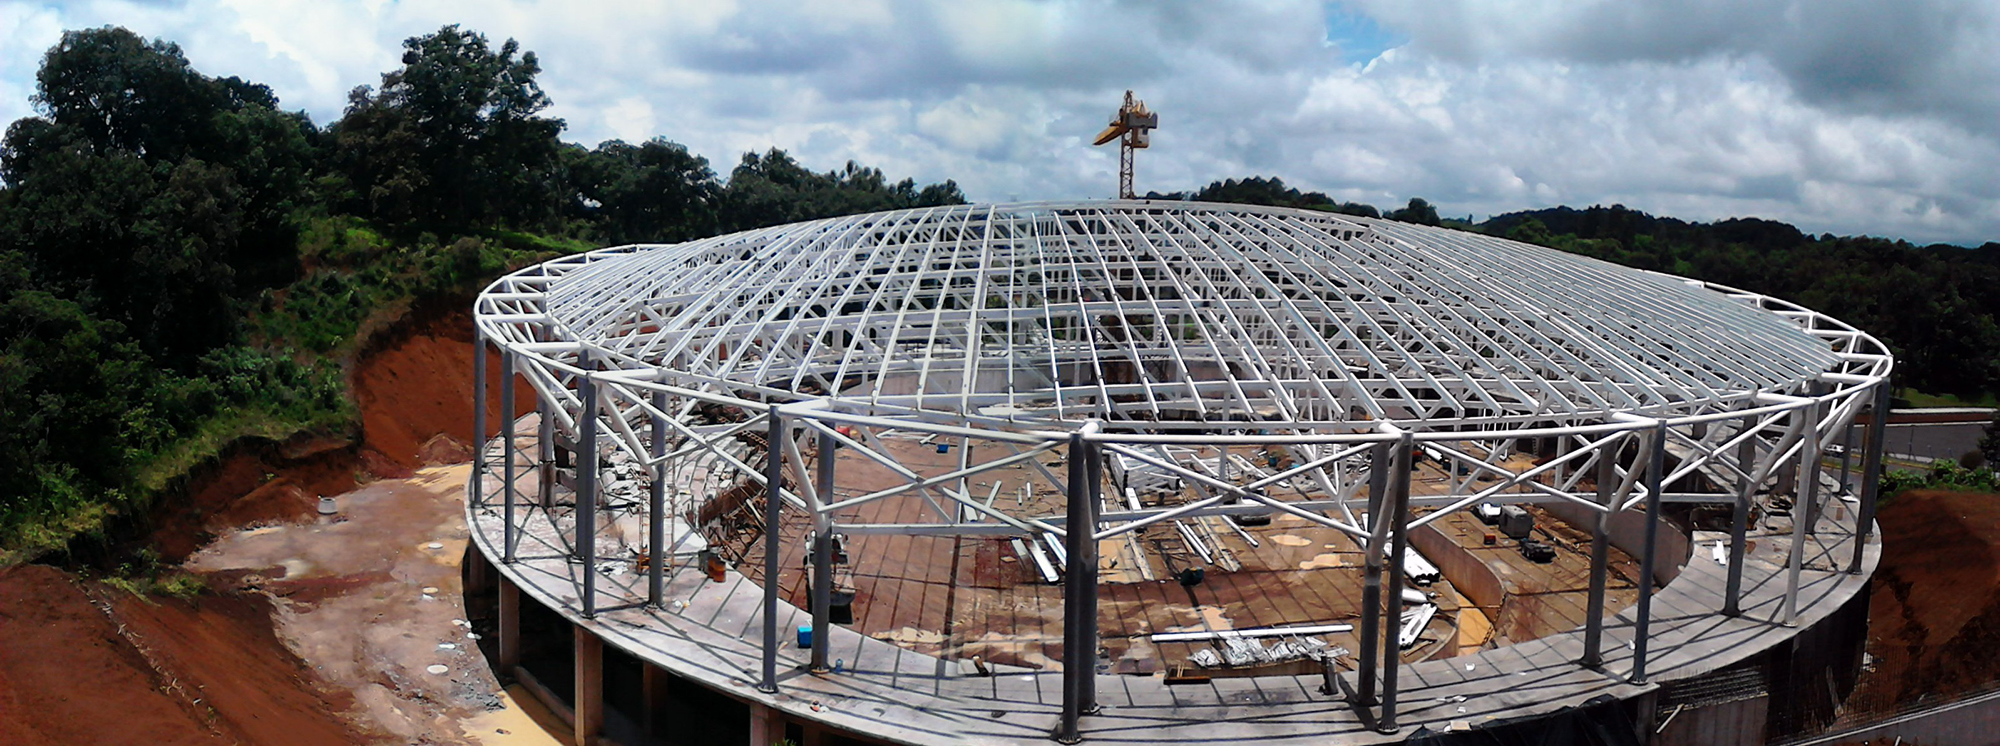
x: 164, y: 672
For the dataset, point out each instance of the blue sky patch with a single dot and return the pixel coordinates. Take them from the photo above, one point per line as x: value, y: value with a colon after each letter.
x: 1360, y: 39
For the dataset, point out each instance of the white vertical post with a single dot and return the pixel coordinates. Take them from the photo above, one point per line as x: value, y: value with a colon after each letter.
x: 822, y: 549
x: 1600, y: 556
x: 586, y: 485
x: 1871, y: 474
x: 1803, y: 510
x: 510, y: 493
x: 1397, y: 513
x: 478, y: 418
x: 1380, y: 463
x: 774, y: 485
x: 1656, y: 468
x: 660, y: 545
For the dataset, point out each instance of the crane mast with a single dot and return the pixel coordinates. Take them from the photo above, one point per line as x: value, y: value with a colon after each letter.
x: 1132, y: 128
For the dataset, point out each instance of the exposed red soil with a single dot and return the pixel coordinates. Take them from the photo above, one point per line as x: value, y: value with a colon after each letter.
x: 1934, y: 613
x: 164, y: 672
x: 415, y: 383
x: 371, y: 605
x: 252, y: 482
x: 83, y: 663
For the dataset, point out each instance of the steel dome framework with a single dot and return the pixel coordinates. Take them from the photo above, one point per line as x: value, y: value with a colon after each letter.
x: 1120, y: 334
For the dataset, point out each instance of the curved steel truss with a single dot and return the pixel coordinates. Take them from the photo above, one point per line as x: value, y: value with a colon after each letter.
x: 1247, y: 360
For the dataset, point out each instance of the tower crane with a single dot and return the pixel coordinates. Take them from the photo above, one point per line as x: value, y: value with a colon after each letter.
x: 1133, y: 129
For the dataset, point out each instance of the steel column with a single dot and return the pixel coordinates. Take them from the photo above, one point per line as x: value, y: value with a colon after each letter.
x: 1600, y: 556
x: 1847, y: 459
x: 1802, y: 508
x: 545, y: 454
x: 1871, y: 474
x: 1810, y: 469
x: 774, y: 485
x: 1381, y: 462
x: 1094, y: 481
x: 478, y: 418
x: 1739, y: 522
x: 1656, y: 469
x: 1559, y: 448
x: 822, y: 557
x: 1399, y: 517
x: 1079, y: 619
x: 586, y: 487
x: 511, y: 492
x: 657, y: 541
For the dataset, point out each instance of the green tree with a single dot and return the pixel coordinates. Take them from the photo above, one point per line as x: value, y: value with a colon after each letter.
x: 116, y: 91
x: 153, y: 193
x: 653, y: 192
x: 1531, y: 231
x: 72, y: 389
x: 1257, y: 190
x: 773, y: 189
x: 147, y: 246
x: 1419, y: 211
x: 452, y: 138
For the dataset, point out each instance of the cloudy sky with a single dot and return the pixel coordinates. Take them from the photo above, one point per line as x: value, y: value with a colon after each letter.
x: 1848, y: 116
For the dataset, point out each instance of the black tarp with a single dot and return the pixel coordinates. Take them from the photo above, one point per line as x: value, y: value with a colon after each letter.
x: 1601, y: 721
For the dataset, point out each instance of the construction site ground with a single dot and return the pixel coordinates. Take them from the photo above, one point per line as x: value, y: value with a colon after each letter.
x: 977, y: 596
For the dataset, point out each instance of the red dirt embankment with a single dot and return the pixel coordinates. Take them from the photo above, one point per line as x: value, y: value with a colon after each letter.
x: 415, y: 383
x: 85, y: 663
x: 251, y: 482
x: 1934, y: 616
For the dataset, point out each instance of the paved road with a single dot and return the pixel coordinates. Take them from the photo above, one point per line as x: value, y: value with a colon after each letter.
x: 1931, y: 439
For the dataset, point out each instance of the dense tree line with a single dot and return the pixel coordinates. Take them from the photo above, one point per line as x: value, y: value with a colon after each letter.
x: 183, y: 262
x: 1257, y: 190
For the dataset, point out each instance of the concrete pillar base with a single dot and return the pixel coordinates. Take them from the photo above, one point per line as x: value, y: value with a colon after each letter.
x: 653, y: 692
x: 766, y: 727
x: 589, y: 687
x: 510, y: 627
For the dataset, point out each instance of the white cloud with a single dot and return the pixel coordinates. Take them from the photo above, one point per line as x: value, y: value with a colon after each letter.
x: 1842, y: 115
x: 631, y: 119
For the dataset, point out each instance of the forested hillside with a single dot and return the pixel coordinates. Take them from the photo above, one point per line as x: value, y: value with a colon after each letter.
x: 183, y: 262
